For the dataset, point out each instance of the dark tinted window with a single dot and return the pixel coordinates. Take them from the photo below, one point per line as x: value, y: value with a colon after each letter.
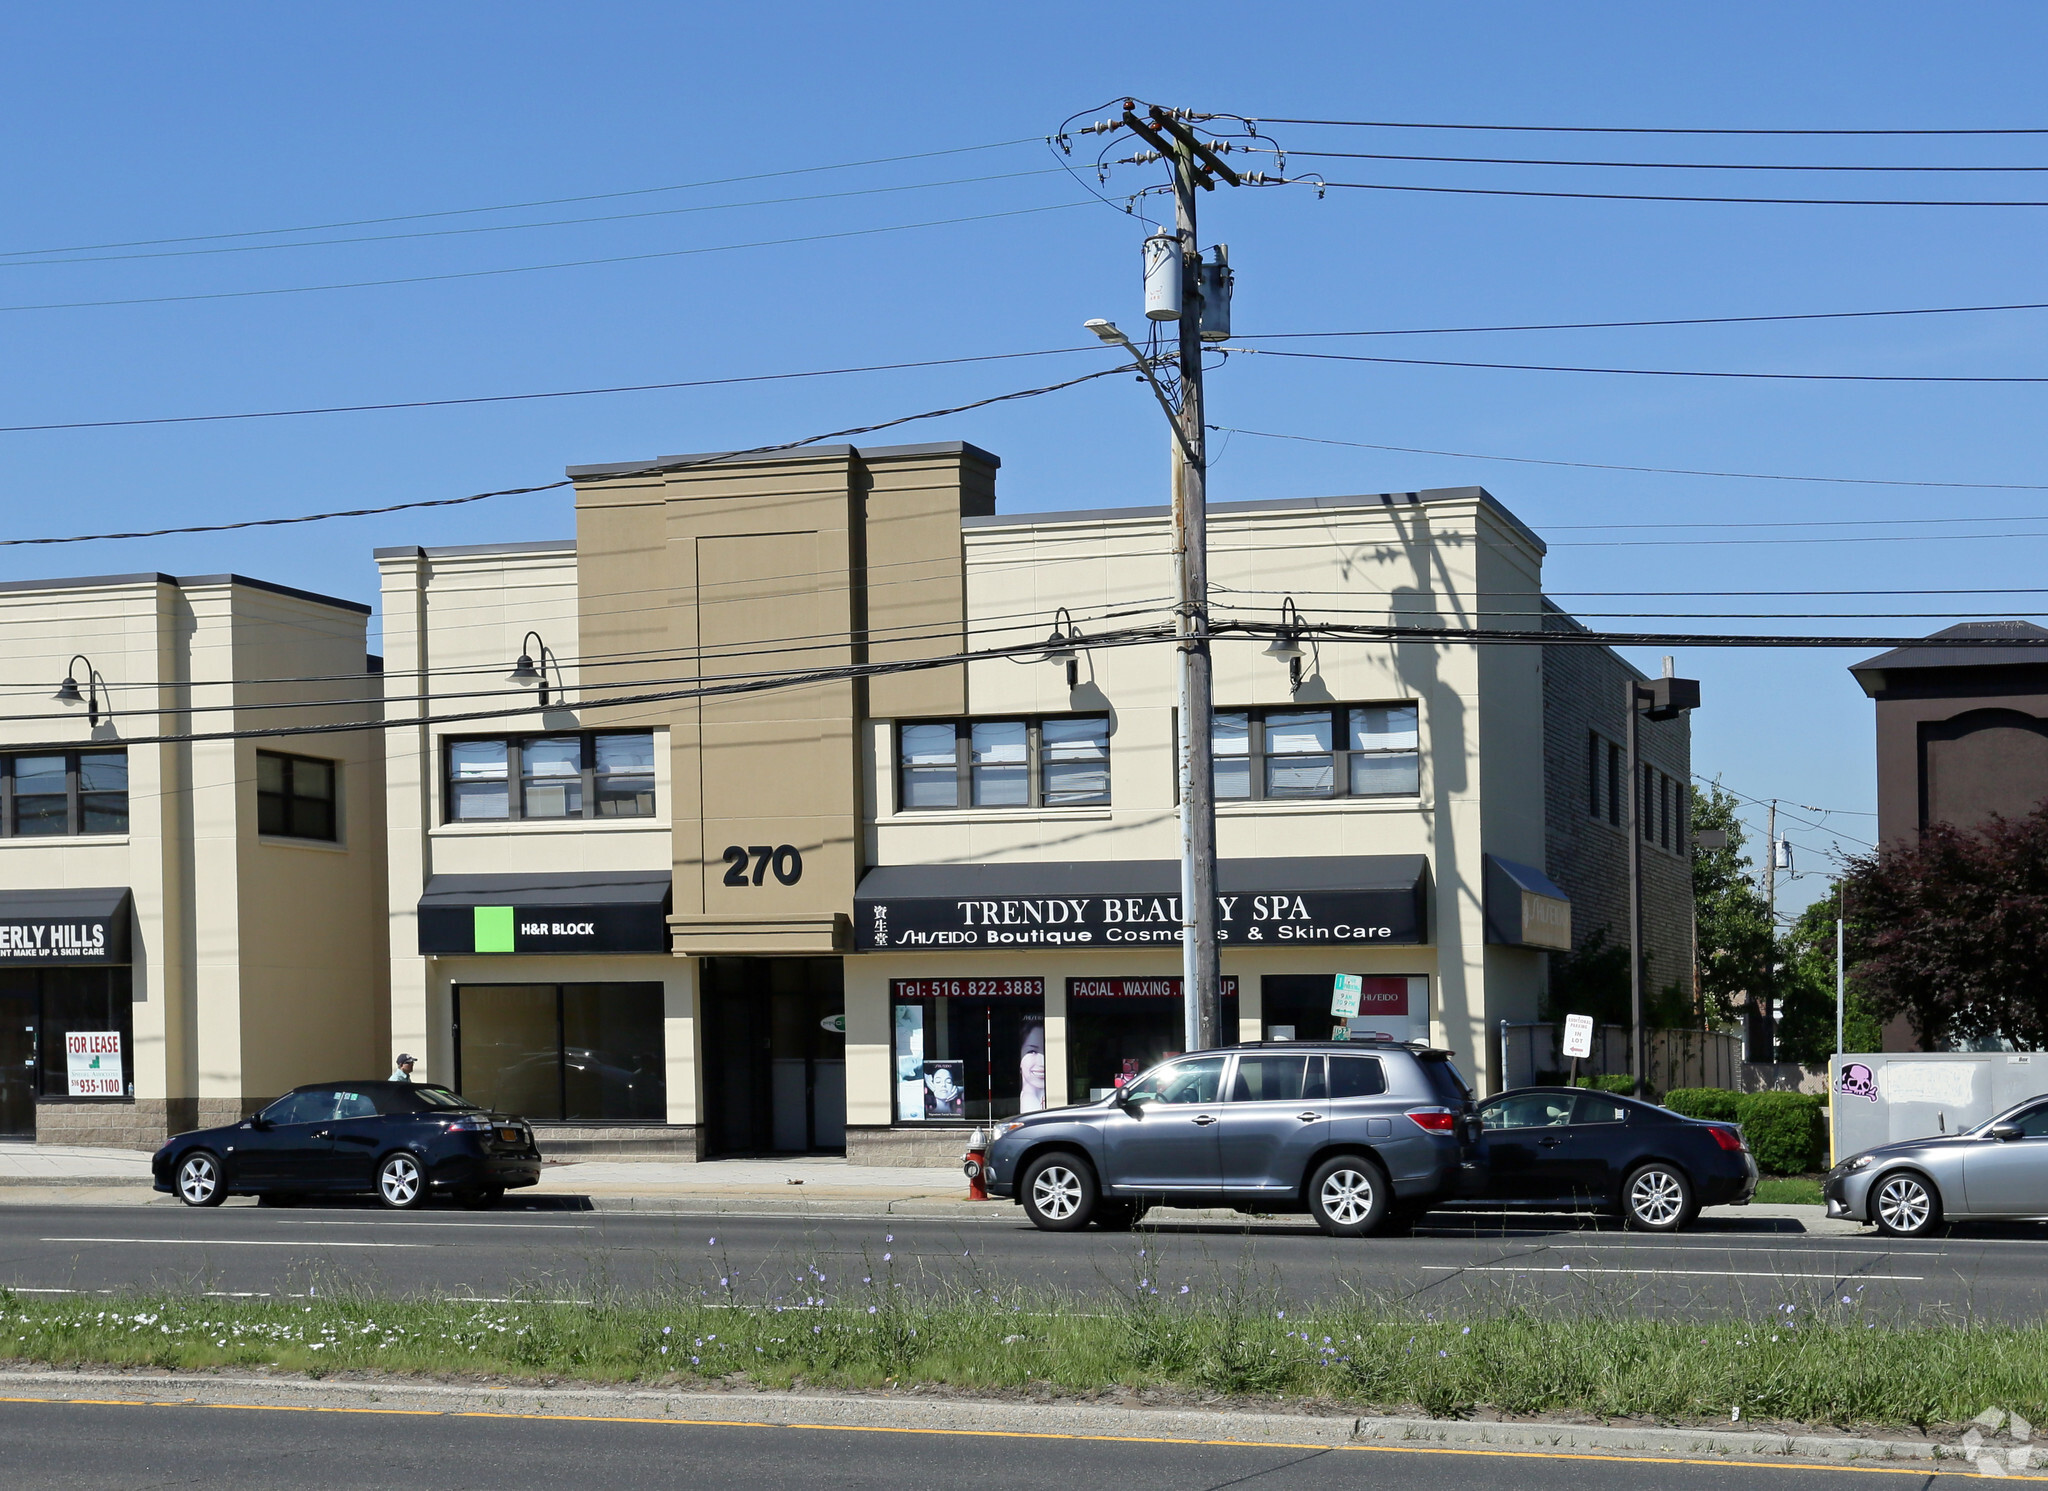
x: 2033, y: 1124
x: 1445, y: 1083
x: 1528, y: 1110
x: 428, y: 1097
x: 301, y: 1107
x: 354, y: 1105
x: 1356, y: 1077
x: 1600, y: 1108
x: 1271, y: 1079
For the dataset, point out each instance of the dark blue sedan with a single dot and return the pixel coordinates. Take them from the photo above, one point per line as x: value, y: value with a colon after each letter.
x: 1553, y: 1148
x: 398, y: 1141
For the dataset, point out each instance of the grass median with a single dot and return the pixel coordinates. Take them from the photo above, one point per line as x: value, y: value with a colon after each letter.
x: 1819, y: 1366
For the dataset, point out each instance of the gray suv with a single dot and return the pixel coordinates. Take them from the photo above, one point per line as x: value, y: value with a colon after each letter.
x: 1363, y: 1136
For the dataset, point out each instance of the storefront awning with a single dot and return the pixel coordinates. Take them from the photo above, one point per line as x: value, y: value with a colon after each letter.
x: 1333, y: 900
x: 64, y: 925
x: 1525, y: 908
x: 600, y: 911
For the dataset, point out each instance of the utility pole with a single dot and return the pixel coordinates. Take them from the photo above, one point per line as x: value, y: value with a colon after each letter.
x: 1195, y: 166
x: 1664, y: 698
x: 1771, y: 923
x: 1841, y: 966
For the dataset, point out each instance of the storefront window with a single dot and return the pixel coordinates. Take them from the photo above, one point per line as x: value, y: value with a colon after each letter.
x: 1297, y: 1007
x: 44, y: 1005
x: 1118, y: 1028
x: 574, y: 1053
x: 968, y: 1050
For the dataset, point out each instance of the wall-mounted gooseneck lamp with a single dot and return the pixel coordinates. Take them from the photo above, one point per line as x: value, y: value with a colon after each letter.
x: 67, y: 692
x: 526, y: 670
x: 1286, y: 647
x: 1059, y: 647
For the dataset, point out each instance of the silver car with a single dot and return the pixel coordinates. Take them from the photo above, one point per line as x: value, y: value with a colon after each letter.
x: 1996, y: 1171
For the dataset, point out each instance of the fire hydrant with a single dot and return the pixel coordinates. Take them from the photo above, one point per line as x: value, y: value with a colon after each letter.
x: 976, y: 1165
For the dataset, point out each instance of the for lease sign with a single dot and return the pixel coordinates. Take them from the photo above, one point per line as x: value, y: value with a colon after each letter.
x: 92, y: 1064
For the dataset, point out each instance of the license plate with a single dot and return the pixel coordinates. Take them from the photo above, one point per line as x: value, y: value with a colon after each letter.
x: 511, y: 1136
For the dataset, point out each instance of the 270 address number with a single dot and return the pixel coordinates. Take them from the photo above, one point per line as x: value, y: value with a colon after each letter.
x: 784, y: 859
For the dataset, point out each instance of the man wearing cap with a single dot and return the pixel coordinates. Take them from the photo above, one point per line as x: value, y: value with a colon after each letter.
x: 401, y: 1069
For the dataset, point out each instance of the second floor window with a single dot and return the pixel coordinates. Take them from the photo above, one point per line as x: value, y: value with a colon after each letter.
x: 1051, y: 762
x: 1357, y: 750
x: 590, y: 774
x: 295, y: 797
x: 64, y: 792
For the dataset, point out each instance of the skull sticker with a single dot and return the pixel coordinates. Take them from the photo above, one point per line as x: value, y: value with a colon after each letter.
x: 1858, y: 1081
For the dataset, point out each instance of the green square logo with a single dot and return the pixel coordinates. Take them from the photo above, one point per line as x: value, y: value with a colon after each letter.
x: 494, y: 929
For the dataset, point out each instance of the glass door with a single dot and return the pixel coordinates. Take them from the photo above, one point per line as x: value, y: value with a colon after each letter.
x: 17, y: 1064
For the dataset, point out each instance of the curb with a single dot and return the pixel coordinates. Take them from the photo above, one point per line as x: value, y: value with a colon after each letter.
x: 75, y: 1181
x: 967, y: 1416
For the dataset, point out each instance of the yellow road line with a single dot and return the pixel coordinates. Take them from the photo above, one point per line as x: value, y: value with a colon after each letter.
x: 1918, y: 1468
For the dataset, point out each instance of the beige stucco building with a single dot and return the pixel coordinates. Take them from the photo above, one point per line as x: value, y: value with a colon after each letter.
x: 199, y: 914
x: 750, y: 880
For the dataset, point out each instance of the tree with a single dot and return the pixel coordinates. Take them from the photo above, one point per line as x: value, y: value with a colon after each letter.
x: 1951, y: 930
x: 1806, y: 982
x: 1735, y: 947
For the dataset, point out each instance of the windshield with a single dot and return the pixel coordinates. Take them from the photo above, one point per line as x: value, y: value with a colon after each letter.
x: 441, y: 1097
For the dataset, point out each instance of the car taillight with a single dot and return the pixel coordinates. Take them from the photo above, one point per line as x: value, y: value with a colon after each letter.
x: 1436, y: 1120
x: 470, y: 1123
x: 1729, y: 1139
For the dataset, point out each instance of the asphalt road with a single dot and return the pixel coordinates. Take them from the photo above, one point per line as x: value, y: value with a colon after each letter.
x: 82, y: 1446
x: 1738, y: 1266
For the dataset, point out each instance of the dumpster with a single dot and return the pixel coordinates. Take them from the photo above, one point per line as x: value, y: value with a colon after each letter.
x: 1883, y: 1096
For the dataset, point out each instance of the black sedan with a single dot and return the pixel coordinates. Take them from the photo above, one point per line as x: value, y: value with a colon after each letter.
x: 396, y: 1140
x: 1553, y: 1148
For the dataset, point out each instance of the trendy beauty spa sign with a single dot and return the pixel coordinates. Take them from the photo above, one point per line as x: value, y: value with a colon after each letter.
x: 1279, y: 917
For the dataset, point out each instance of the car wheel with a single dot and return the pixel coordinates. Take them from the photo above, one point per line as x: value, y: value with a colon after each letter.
x: 1348, y: 1196
x: 401, y: 1184
x: 1656, y: 1198
x: 199, y: 1180
x: 1905, y: 1205
x: 483, y: 1198
x: 1059, y: 1192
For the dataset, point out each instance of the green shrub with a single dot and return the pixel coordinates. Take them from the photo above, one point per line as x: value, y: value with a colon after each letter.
x: 1717, y: 1103
x: 1786, y: 1130
x: 1620, y: 1083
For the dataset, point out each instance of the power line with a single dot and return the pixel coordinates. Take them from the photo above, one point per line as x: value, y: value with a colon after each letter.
x: 1428, y: 331
x: 1258, y: 179
x: 1616, y: 129
x: 1639, y: 165
x: 414, y: 217
x: 1466, y: 455
x: 473, y: 274
x: 650, y: 470
x: 513, y: 398
x: 1543, y: 367
x: 560, y: 222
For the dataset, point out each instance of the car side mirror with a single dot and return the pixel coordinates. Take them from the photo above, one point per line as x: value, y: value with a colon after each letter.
x: 2006, y: 1131
x: 258, y: 1123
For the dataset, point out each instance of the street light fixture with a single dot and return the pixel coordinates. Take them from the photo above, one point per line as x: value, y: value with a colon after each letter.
x: 1661, y: 699
x: 1286, y: 647
x: 1059, y: 647
x: 526, y: 671
x: 67, y: 692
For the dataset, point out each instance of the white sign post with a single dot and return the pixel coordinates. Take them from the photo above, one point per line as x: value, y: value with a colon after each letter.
x: 1345, y: 992
x: 92, y: 1064
x: 1578, y: 1041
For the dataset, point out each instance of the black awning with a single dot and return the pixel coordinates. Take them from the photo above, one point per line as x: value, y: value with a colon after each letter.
x: 65, y: 925
x: 595, y: 911
x: 1344, y: 900
x: 1525, y: 907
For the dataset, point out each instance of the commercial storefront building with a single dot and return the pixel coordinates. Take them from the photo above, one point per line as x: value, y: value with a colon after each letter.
x: 188, y: 927
x: 737, y: 883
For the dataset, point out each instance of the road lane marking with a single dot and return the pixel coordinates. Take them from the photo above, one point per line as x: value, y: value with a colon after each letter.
x: 1677, y: 1273
x: 321, y: 1222
x: 1923, y: 1470
x: 236, y: 1242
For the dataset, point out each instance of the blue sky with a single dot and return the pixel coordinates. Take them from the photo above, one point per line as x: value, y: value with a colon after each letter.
x: 145, y: 122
